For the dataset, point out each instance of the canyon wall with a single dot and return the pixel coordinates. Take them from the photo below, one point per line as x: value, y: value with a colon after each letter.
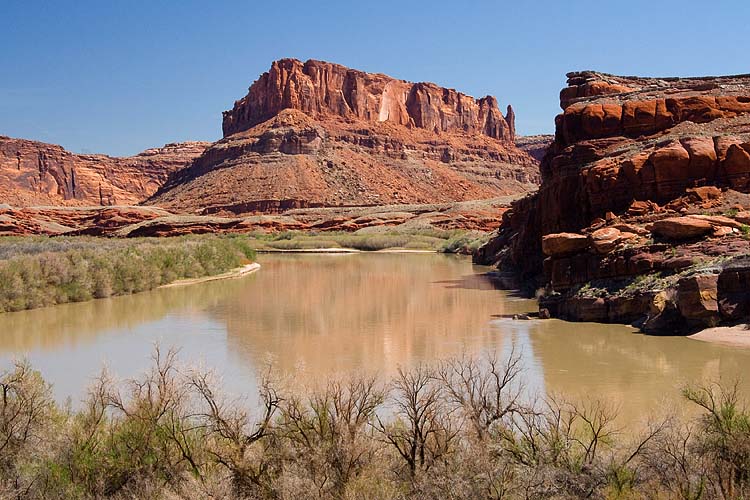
x: 36, y: 173
x: 636, y: 167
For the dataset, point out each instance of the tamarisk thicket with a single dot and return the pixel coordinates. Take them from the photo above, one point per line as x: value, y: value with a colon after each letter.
x: 465, y: 428
x: 38, y: 272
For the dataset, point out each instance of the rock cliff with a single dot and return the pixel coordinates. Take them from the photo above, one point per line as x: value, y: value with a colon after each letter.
x: 321, y: 89
x: 643, y: 193
x: 318, y: 134
x: 36, y: 173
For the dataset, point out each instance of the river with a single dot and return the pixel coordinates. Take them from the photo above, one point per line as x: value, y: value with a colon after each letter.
x: 317, y: 315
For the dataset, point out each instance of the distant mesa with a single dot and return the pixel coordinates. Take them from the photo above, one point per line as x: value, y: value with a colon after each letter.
x: 318, y: 134
x: 306, y: 136
x: 321, y: 89
x: 37, y: 173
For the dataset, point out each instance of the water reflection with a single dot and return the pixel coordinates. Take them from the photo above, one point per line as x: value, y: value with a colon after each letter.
x: 354, y: 311
x: 639, y: 373
x: 338, y: 313
x: 60, y: 326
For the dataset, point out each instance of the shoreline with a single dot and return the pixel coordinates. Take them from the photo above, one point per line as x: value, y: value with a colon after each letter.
x: 735, y: 336
x: 341, y: 250
x: 238, y: 272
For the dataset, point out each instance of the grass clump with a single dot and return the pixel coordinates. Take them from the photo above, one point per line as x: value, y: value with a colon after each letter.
x: 454, y: 241
x: 465, y: 243
x: 38, y: 272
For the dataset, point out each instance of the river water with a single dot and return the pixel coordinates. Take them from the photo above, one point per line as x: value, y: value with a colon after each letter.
x: 313, y: 316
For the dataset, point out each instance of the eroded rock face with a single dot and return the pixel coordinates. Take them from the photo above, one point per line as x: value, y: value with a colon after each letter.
x: 697, y: 299
x: 322, y: 89
x: 130, y: 221
x: 659, y: 160
x: 618, y: 144
x: 36, y: 173
x: 317, y: 134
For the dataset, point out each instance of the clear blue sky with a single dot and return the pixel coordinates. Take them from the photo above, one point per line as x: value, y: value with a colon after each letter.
x: 117, y: 77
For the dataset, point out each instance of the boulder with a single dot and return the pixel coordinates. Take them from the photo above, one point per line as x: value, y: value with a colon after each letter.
x: 639, y: 207
x: 564, y: 244
x: 631, y: 228
x: 670, y: 168
x: 719, y: 221
x: 704, y: 193
x: 742, y: 217
x: 734, y: 293
x: 681, y: 228
x: 736, y: 166
x: 605, y: 240
x: 697, y: 299
x: 702, y: 162
x: 720, y: 231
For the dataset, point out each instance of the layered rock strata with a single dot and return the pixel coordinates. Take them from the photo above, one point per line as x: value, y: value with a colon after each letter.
x: 317, y: 134
x: 36, y: 173
x: 322, y: 89
x: 130, y: 221
x: 642, y: 195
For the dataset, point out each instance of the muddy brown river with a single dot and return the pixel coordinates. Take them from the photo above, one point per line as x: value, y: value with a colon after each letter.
x: 317, y: 315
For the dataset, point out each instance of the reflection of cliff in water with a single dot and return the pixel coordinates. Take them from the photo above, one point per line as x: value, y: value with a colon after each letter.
x: 633, y: 370
x: 376, y: 312
x: 68, y: 324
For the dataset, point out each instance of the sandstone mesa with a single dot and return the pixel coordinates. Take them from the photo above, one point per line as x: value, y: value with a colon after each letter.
x: 318, y: 134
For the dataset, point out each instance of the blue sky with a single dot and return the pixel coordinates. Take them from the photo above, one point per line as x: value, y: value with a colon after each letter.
x: 118, y: 77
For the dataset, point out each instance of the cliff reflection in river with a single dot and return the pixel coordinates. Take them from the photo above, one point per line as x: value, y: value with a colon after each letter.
x: 336, y: 313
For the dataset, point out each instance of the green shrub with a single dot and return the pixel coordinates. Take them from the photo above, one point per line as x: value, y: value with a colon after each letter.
x: 42, y: 271
x: 465, y: 243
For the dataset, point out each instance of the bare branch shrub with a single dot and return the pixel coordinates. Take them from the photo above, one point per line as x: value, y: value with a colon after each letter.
x: 425, y: 427
x: 460, y: 430
x: 329, y: 433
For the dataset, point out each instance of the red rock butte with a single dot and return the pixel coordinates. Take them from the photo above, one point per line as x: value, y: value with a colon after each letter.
x: 322, y: 89
x: 318, y: 134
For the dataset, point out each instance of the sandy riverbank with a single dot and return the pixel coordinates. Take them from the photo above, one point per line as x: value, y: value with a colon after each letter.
x: 234, y: 273
x: 737, y: 335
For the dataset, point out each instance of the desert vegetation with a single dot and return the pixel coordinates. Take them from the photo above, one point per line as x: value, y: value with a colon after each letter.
x: 373, y: 239
x: 463, y: 428
x: 39, y: 271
